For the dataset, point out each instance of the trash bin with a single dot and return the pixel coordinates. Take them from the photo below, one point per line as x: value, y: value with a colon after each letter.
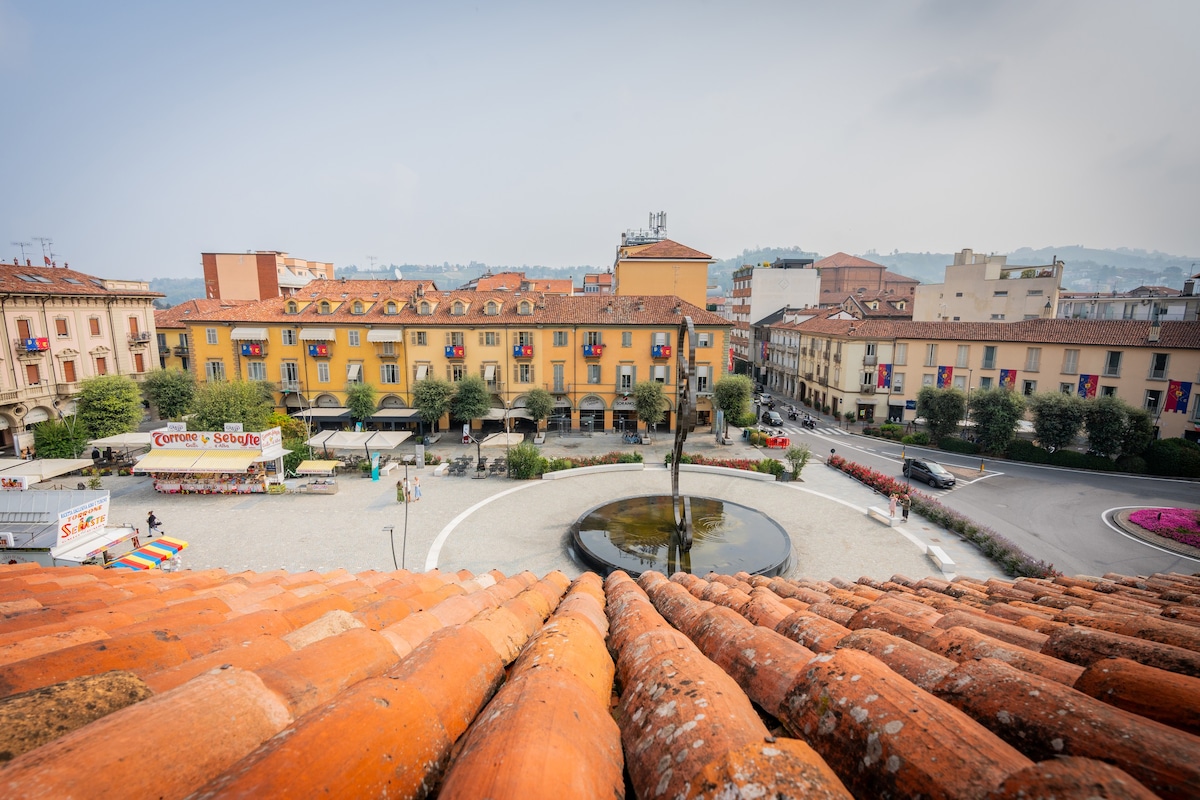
x: 746, y: 433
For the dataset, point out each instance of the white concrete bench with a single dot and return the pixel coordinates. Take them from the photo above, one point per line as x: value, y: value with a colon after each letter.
x: 440, y: 469
x: 388, y: 467
x: 881, y: 514
x: 943, y: 561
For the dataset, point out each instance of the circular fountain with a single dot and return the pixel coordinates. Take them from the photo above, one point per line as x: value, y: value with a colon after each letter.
x: 638, y: 534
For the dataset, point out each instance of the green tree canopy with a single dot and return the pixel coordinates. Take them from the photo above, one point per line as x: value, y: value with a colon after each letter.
x: 360, y: 399
x: 1139, y: 432
x: 539, y: 404
x: 942, y: 409
x: 109, y: 404
x: 431, y: 397
x: 170, y: 391
x: 289, y: 427
x: 650, y: 402
x: 1106, y: 419
x: 1057, y: 418
x: 237, y: 401
x: 471, y: 398
x: 996, y: 413
x: 59, y: 438
x: 731, y: 395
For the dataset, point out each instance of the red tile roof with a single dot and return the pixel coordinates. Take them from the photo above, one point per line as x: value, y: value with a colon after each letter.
x: 1115, y: 333
x: 60, y: 280
x: 840, y: 259
x: 177, y: 316
x: 666, y: 249
x: 491, y: 686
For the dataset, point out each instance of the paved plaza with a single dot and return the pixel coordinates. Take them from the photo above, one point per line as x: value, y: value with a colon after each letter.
x: 497, y: 523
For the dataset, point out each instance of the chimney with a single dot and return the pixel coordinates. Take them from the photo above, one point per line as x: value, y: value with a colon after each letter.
x: 1189, y: 287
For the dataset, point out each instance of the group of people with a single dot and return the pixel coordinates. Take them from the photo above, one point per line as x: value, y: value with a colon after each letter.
x: 902, y: 500
x: 410, y: 490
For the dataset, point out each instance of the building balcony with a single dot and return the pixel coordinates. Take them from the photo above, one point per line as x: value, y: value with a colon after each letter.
x: 252, y: 349
x: 139, y: 339
x: 825, y: 356
x: 593, y: 350
x: 32, y: 346
x: 870, y: 361
x: 456, y: 351
x: 837, y: 358
x: 660, y: 351
x: 522, y: 351
x: 181, y: 350
x: 164, y: 351
x: 867, y: 388
x: 808, y: 376
x: 558, y: 387
x: 289, y: 386
x: 821, y: 379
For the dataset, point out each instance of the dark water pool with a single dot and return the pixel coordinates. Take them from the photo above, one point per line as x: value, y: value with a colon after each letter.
x: 634, y: 534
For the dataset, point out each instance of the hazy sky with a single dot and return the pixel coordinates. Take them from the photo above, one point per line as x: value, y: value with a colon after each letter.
x: 140, y: 134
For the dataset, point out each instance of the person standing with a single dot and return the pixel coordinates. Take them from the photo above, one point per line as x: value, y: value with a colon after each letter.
x: 416, y: 489
x: 905, y: 505
x: 892, y: 504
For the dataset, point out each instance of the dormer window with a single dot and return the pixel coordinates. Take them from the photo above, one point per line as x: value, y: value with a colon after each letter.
x: 292, y: 308
x: 525, y: 308
x: 357, y: 308
x: 324, y: 307
x: 459, y: 308
x: 493, y: 308
x: 390, y: 308
x: 900, y: 305
x: 423, y: 309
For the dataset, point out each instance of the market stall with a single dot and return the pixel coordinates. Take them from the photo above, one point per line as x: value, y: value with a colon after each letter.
x: 162, y: 553
x: 57, y: 528
x: 205, y: 462
x: 321, y: 474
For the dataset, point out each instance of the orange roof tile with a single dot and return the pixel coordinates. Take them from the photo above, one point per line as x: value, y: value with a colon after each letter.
x: 889, y: 687
x: 18, y: 280
x: 667, y: 250
x: 840, y: 259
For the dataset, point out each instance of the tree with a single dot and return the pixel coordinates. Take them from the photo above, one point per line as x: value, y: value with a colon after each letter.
x: 996, y: 413
x: 289, y: 427
x: 170, y: 391
x: 650, y: 402
x: 431, y: 397
x: 108, y: 405
x: 539, y: 404
x: 471, y: 399
x: 1057, y: 418
x: 797, y: 456
x: 1106, y: 419
x: 360, y: 399
x: 238, y: 401
x: 59, y: 438
x: 942, y: 409
x: 1139, y: 432
x: 731, y: 395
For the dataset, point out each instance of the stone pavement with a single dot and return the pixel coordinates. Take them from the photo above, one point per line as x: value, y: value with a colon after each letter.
x: 497, y: 523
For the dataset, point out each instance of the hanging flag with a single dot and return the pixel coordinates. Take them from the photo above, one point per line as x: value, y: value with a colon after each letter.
x: 885, y: 377
x: 1087, y: 385
x: 945, y: 377
x: 731, y: 361
x: 1008, y: 379
x: 47, y: 260
x: 1178, y: 395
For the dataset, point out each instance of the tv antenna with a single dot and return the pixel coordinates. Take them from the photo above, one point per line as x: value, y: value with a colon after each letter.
x: 47, y: 248
x: 22, y: 245
x: 371, y: 260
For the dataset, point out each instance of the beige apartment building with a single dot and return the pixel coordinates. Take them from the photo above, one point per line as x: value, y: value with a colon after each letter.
x: 985, y: 288
x: 63, y: 326
x: 875, y: 368
x: 259, y: 274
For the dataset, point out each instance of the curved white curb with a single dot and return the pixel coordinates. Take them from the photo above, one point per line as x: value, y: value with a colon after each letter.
x: 634, y: 466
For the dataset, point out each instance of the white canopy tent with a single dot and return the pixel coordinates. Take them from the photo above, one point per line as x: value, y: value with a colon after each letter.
x: 43, y: 469
x: 502, y: 440
x: 377, y: 441
x: 134, y: 439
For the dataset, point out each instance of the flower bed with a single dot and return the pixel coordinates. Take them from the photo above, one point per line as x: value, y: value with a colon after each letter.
x: 1179, y: 524
x: 615, y: 457
x: 768, y: 465
x: 1012, y: 559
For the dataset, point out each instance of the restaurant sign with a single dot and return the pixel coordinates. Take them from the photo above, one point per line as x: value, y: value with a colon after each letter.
x: 270, y: 441
x: 82, y: 522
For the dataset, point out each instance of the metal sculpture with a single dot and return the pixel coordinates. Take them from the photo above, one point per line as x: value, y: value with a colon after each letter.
x: 685, y: 423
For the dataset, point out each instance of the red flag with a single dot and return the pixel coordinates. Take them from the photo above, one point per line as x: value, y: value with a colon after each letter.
x: 47, y: 259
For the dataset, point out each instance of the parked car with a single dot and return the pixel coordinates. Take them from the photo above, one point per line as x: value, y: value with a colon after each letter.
x: 772, y: 418
x: 926, y: 471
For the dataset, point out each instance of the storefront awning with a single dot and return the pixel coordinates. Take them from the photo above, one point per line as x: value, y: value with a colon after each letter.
x: 225, y: 460
x: 318, y: 412
x: 317, y: 335
x: 93, y: 547
x: 385, y: 335
x: 248, y: 334
x: 396, y: 414
x: 317, y: 467
x: 150, y: 555
x: 167, y: 461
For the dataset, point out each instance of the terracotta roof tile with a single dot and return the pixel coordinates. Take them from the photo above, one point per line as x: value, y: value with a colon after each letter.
x: 59, y: 280
x: 666, y: 249
x: 374, y: 694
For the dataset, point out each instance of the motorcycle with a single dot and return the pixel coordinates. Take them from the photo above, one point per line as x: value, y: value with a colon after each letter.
x: 809, y: 423
x: 792, y: 415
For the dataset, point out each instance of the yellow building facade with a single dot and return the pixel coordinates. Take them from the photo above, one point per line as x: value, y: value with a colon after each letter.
x: 661, y: 267
x: 587, y: 351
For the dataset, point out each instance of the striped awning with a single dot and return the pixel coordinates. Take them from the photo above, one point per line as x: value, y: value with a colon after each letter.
x: 167, y: 461
x: 150, y: 556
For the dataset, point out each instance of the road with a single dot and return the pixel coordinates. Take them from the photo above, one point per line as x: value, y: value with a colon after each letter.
x: 1057, y: 515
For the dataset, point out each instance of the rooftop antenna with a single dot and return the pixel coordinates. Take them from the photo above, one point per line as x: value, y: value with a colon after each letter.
x: 372, y: 260
x: 47, y: 247
x: 396, y: 272
x: 22, y: 245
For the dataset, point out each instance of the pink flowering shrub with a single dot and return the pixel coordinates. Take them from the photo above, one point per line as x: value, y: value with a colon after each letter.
x: 1180, y: 524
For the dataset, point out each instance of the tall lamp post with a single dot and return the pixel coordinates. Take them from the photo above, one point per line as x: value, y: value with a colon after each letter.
x: 967, y: 413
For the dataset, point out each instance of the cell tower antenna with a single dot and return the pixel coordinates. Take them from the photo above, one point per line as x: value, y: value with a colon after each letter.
x: 22, y: 245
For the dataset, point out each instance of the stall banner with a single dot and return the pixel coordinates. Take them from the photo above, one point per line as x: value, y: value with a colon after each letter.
x: 82, y: 521
x: 270, y: 441
x: 1178, y: 394
x: 15, y: 483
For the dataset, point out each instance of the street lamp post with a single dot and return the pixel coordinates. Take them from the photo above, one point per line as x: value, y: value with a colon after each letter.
x: 967, y: 412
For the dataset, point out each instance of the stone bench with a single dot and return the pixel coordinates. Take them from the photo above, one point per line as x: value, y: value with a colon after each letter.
x: 939, y: 557
x: 388, y: 467
x: 881, y: 514
x: 441, y: 469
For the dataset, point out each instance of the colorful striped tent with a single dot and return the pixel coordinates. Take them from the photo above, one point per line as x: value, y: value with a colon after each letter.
x: 151, y: 555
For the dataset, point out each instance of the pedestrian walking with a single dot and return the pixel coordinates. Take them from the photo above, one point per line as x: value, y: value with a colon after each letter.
x: 152, y: 526
x: 416, y: 489
x: 892, y: 504
x: 905, y: 505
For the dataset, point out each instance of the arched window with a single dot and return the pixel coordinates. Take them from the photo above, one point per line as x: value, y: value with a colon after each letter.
x: 424, y: 309
x: 458, y: 309
x: 525, y: 308
x: 390, y: 308
x: 292, y: 308
x: 358, y: 307
x: 493, y: 308
x: 324, y: 306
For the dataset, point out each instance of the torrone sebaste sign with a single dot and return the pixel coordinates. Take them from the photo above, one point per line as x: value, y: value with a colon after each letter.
x: 270, y: 441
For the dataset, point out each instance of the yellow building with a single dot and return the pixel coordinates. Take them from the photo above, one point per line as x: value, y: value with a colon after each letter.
x: 875, y: 368
x: 588, y: 351
x: 173, y: 339
x: 647, y: 265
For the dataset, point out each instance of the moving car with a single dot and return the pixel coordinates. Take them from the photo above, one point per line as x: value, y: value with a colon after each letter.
x: 772, y: 418
x: 926, y: 471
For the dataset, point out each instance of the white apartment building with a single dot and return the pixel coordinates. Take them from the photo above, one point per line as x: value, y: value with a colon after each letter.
x: 979, y: 288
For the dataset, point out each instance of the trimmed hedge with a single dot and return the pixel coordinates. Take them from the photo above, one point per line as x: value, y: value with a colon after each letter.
x: 953, y: 444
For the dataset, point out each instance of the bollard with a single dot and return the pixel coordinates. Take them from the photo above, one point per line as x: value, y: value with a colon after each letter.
x: 981, y: 467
